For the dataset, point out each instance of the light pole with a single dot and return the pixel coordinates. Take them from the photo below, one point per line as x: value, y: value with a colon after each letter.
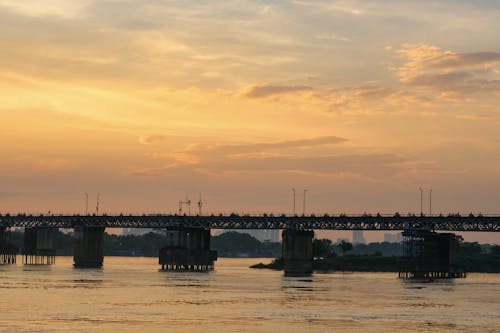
x: 97, y: 205
x: 293, y: 191
x: 86, y: 203
x: 430, y: 202
x: 304, y: 204
x: 421, y: 201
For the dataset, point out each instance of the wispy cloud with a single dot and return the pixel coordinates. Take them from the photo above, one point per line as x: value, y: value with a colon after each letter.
x: 270, y: 90
x: 267, y: 146
x: 213, y: 156
x: 56, y: 164
x: 153, y: 138
x: 49, y: 8
x: 332, y: 36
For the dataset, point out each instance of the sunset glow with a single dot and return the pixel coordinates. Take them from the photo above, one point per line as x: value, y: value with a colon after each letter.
x: 146, y: 102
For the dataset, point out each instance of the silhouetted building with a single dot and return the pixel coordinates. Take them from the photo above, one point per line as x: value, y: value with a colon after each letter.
x: 393, y: 238
x: 358, y: 237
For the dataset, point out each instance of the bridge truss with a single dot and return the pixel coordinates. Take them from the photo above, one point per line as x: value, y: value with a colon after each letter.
x: 365, y: 222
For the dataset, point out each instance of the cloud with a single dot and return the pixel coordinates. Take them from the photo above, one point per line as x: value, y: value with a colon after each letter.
x: 283, y: 157
x: 373, y: 167
x: 267, y: 91
x: 47, y: 8
x: 214, y: 156
x: 332, y: 7
x: 153, y: 138
x: 373, y: 91
x: 467, y: 73
x: 56, y: 164
x: 267, y: 146
x: 332, y: 36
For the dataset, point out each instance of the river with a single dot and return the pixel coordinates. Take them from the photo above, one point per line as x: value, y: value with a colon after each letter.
x: 132, y: 295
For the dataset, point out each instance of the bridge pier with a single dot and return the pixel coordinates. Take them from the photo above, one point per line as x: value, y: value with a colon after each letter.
x: 8, y: 252
x: 429, y: 255
x: 38, y: 246
x: 297, y: 252
x: 187, y: 250
x: 89, y: 247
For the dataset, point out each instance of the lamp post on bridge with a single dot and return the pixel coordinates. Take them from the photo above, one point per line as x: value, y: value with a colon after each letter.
x: 97, y: 205
x: 421, y: 201
x: 293, y: 191
x: 86, y: 203
x: 304, y: 204
x: 430, y: 202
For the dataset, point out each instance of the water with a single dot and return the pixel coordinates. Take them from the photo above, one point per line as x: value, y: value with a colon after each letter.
x: 132, y: 295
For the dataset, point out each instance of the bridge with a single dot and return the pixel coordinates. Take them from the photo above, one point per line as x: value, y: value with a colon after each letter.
x: 452, y: 222
x: 187, y: 241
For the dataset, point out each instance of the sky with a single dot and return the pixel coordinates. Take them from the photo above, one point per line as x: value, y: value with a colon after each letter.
x: 149, y: 102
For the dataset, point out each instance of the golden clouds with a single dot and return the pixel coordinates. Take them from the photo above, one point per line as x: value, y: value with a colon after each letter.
x: 177, y: 97
x: 465, y: 73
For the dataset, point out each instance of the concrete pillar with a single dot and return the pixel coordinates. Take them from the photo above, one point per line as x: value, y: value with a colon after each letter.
x: 176, y: 238
x: 429, y: 255
x: 187, y: 249
x: 89, y: 247
x: 8, y: 252
x: 38, y: 248
x: 297, y: 252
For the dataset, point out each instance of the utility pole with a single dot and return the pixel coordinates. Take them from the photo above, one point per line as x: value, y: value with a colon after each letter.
x: 293, y: 190
x: 304, y: 204
x: 97, y: 205
x: 421, y: 201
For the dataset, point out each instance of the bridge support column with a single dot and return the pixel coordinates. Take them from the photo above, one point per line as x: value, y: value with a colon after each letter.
x: 187, y: 249
x: 89, y: 247
x: 8, y: 252
x: 297, y: 252
x: 429, y: 255
x: 38, y: 246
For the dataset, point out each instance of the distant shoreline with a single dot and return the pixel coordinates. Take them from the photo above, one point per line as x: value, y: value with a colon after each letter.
x: 483, y: 264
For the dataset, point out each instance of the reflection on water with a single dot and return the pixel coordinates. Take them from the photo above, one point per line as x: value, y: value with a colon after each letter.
x: 131, y: 295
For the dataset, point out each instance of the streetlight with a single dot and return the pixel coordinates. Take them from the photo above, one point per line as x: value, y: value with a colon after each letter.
x: 293, y: 190
x: 421, y: 201
x: 97, y: 205
x: 86, y: 203
x: 430, y: 202
x: 304, y: 204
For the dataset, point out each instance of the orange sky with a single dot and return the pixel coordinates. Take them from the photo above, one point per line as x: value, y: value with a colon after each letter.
x: 149, y: 101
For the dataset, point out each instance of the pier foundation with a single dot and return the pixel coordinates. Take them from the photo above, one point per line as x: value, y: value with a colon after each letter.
x: 38, y: 246
x: 8, y: 252
x: 187, y: 250
x: 297, y: 252
x: 429, y: 255
x: 89, y: 247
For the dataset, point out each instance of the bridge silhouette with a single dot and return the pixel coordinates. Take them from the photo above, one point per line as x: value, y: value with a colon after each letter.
x: 396, y: 222
x: 187, y: 240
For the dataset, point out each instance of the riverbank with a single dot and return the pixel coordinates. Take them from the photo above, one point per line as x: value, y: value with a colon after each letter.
x: 370, y: 263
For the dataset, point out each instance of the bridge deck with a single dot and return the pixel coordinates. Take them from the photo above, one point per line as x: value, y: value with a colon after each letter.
x: 365, y: 222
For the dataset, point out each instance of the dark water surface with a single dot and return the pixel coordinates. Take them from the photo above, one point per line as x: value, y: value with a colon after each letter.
x: 132, y: 295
